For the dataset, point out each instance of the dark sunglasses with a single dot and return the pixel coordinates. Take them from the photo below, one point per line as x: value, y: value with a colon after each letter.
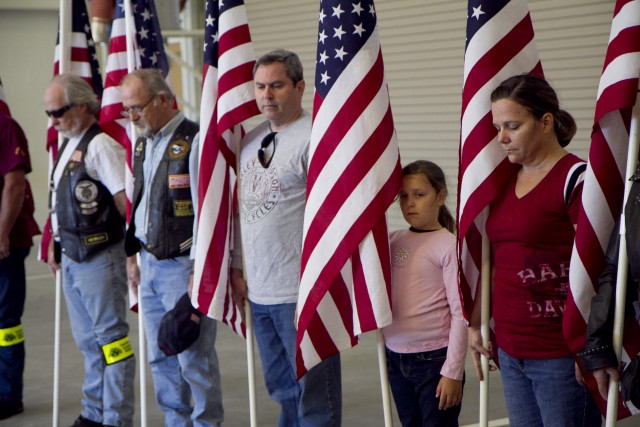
x: 262, y: 150
x: 59, y: 112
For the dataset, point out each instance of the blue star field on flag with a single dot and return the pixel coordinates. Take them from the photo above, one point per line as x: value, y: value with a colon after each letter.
x: 341, y: 34
x: 80, y: 24
x: 149, y: 38
x: 479, y: 13
x: 211, y: 33
x: 213, y: 11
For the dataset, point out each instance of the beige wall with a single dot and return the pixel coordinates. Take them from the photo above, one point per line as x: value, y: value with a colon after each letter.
x: 27, y: 42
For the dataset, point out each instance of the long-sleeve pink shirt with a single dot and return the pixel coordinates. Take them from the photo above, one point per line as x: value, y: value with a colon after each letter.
x: 427, y: 314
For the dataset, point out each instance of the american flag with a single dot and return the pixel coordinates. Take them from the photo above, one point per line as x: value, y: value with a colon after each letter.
x: 603, y: 192
x: 148, y: 53
x: 83, y: 63
x: 227, y: 100
x: 4, y: 107
x: 500, y: 44
x: 354, y: 175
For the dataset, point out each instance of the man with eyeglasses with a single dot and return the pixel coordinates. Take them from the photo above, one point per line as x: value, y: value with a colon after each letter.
x: 161, y: 230
x: 88, y: 207
x: 273, y: 181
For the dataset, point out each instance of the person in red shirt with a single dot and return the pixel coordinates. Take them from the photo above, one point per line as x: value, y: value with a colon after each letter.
x: 531, y: 227
x: 17, y: 227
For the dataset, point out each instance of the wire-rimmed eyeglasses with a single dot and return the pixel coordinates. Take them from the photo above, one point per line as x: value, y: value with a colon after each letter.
x: 262, y: 151
x: 135, y: 109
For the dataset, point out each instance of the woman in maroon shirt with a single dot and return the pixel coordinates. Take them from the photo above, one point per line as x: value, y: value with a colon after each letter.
x: 531, y: 230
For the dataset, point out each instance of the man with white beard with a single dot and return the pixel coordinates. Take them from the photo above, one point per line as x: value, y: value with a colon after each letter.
x: 88, y: 207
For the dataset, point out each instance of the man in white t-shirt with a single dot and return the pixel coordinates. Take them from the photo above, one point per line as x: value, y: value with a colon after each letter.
x: 273, y: 182
x: 88, y: 207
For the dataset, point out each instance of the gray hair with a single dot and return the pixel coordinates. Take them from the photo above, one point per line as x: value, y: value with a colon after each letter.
x: 77, y: 91
x: 292, y: 64
x: 152, y: 80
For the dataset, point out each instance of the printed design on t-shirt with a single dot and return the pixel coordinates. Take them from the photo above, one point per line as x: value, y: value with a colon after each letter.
x: 549, y: 285
x: 401, y: 255
x: 260, y: 191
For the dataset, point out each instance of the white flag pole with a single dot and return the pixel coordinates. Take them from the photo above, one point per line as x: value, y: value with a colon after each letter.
x: 621, y: 281
x: 129, y: 24
x: 142, y: 358
x: 248, y: 320
x: 56, y: 351
x: 64, y: 55
x: 485, y: 315
x: 384, y: 379
x: 251, y: 368
x: 65, y: 36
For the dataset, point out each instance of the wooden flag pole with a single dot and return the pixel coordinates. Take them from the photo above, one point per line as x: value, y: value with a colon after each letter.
x: 623, y: 267
x: 384, y: 379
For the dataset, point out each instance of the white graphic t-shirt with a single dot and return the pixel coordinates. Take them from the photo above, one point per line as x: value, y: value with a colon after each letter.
x: 272, y: 202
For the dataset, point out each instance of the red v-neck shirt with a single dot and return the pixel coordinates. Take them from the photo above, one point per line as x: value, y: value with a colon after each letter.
x: 531, y: 242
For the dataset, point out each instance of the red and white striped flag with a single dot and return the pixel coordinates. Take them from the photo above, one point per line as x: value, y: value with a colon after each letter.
x: 500, y: 44
x: 227, y: 100
x: 148, y: 53
x: 354, y: 175
x: 4, y: 107
x: 82, y: 62
x: 603, y: 192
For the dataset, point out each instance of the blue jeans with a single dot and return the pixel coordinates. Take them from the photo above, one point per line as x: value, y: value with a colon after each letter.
x: 545, y: 393
x: 12, y: 295
x: 96, y: 294
x: 414, y: 378
x: 315, y: 400
x: 194, y: 373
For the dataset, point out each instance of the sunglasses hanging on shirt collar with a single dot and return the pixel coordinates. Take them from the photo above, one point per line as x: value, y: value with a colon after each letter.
x: 262, y: 151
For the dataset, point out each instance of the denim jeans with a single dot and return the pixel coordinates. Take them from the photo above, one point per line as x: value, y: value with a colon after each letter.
x: 96, y: 294
x: 414, y: 378
x: 545, y: 393
x: 12, y: 295
x: 315, y: 400
x: 194, y: 373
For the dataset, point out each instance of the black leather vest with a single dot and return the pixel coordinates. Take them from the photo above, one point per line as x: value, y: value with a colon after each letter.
x: 170, y: 210
x: 88, y: 219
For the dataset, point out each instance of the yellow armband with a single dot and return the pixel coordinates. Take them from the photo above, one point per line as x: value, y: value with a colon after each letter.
x: 117, y: 351
x: 11, y: 336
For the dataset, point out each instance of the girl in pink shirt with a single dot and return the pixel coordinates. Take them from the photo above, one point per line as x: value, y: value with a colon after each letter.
x: 427, y: 341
